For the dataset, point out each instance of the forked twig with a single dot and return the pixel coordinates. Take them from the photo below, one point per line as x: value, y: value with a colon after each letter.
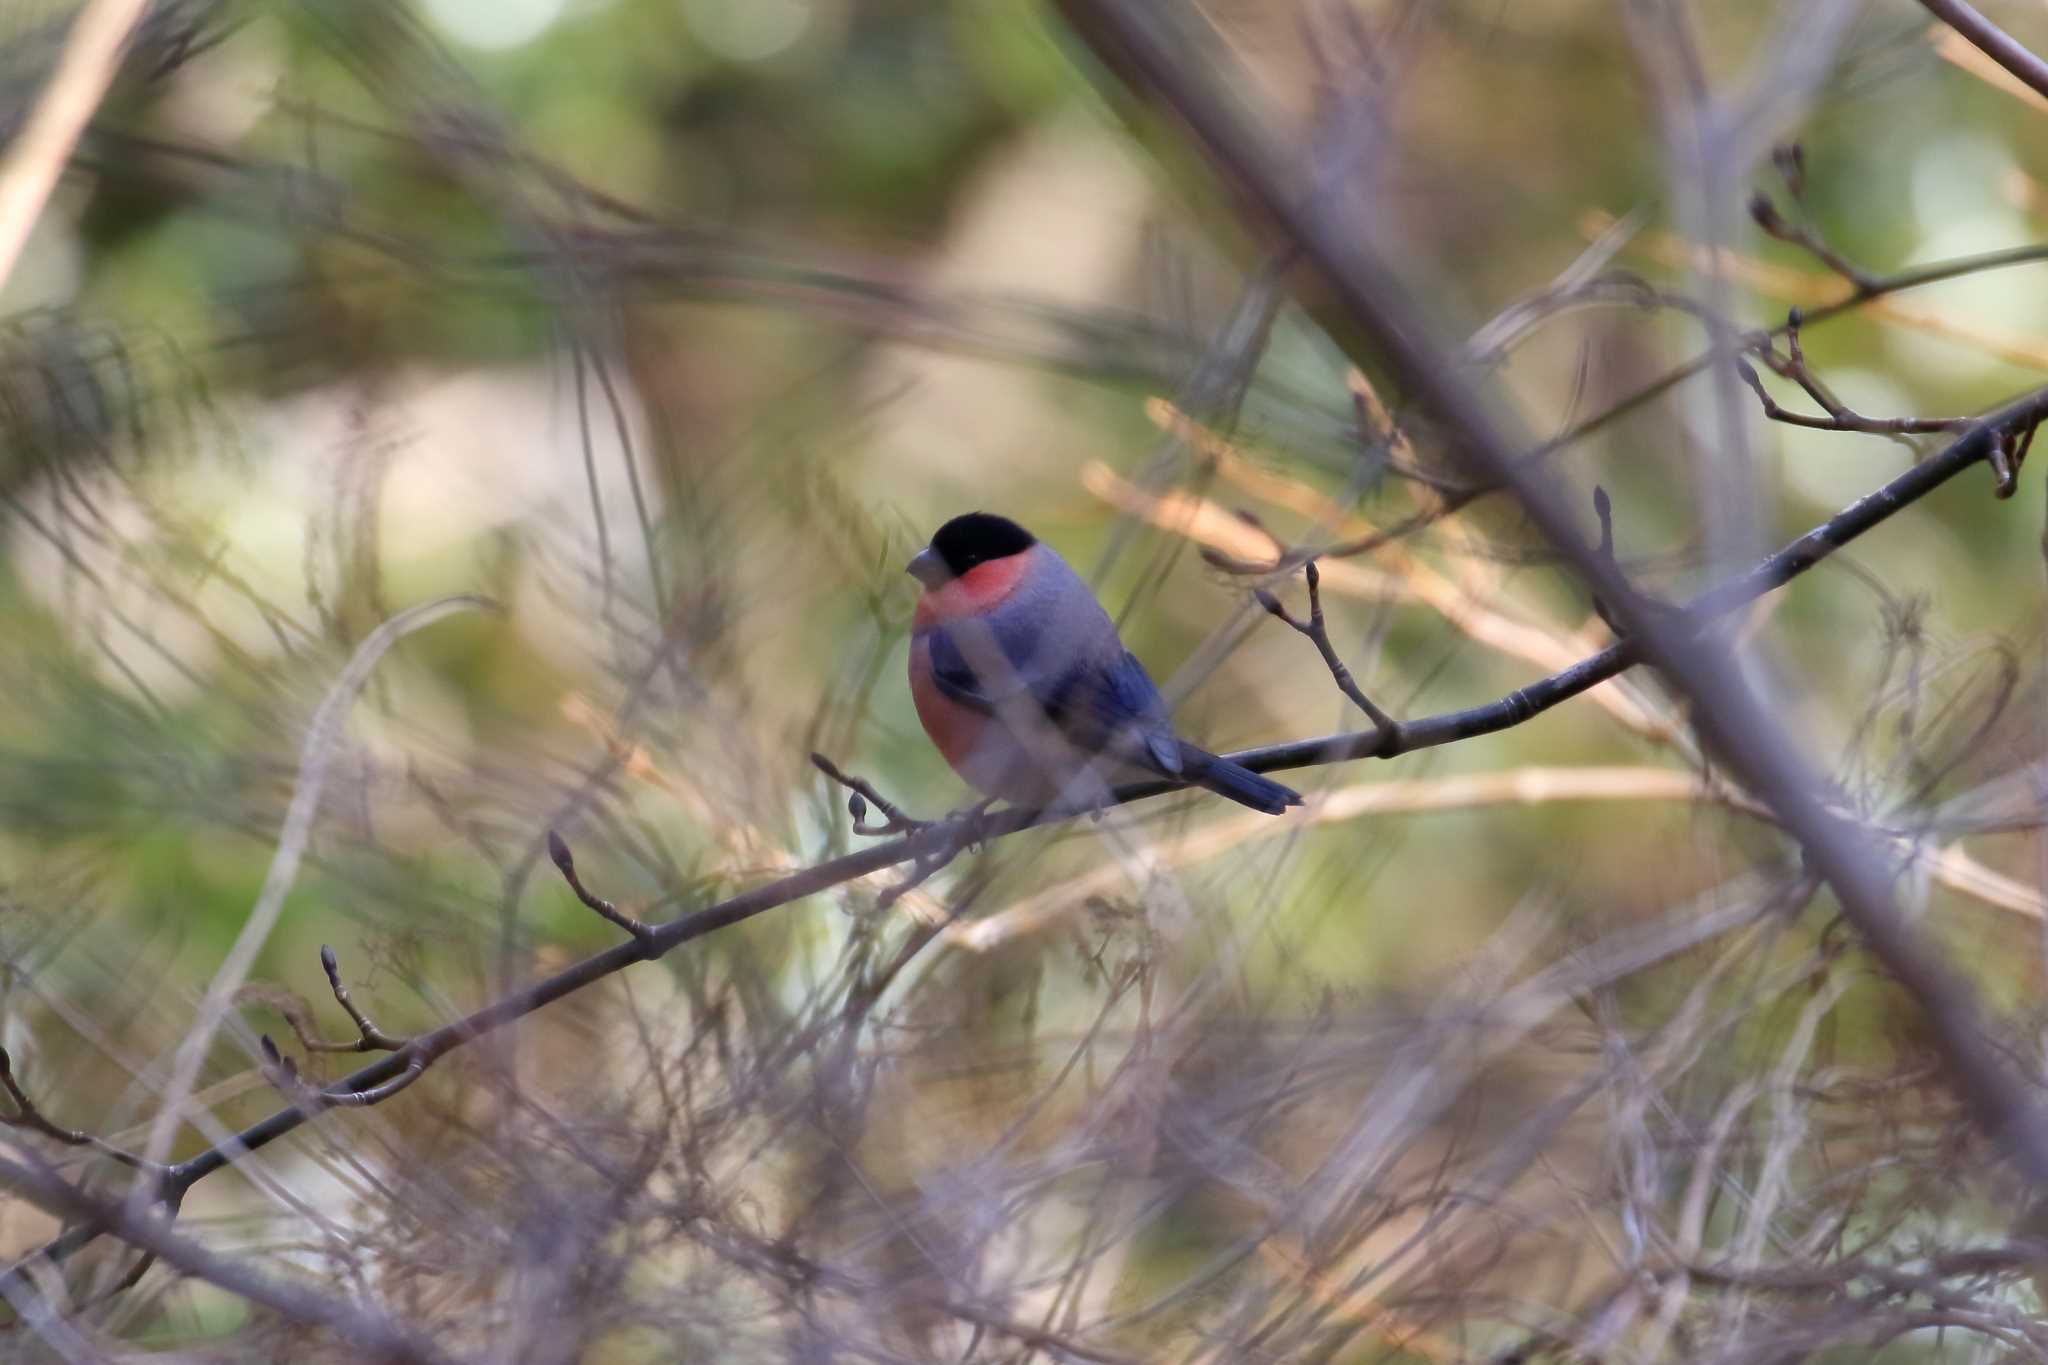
x: 1765, y: 215
x: 369, y: 1037
x: 284, y: 1074
x: 1317, y: 629
x: 968, y: 828
x: 1839, y: 416
x: 861, y: 795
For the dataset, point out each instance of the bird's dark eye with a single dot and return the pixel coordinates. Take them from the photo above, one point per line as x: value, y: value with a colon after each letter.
x: 978, y: 537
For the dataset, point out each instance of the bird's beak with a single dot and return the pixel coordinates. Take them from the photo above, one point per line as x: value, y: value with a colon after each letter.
x: 927, y: 568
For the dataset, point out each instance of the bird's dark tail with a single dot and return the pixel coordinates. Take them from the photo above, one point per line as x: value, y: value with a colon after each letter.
x: 1240, y: 784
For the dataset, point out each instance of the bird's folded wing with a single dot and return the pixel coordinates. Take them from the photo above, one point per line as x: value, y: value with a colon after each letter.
x: 1096, y: 708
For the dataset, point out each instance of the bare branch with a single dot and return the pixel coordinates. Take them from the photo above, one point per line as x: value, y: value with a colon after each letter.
x: 1993, y: 41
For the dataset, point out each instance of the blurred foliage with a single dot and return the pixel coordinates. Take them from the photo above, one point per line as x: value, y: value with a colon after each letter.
x: 674, y: 326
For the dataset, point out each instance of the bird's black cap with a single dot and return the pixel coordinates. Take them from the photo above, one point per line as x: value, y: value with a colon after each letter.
x: 976, y: 538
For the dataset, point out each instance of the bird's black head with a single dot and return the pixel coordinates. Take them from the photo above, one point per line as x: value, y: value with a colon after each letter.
x: 976, y: 538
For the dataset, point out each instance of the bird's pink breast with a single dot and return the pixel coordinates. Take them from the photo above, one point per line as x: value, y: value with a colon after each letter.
x: 955, y: 730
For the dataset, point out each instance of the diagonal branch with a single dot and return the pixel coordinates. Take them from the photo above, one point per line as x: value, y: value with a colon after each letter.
x: 364, y: 1324
x: 1993, y: 41
x: 1151, y: 48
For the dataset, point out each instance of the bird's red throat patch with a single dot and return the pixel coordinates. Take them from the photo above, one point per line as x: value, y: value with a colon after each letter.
x: 980, y: 589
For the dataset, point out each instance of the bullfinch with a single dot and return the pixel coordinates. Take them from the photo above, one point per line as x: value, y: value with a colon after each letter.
x: 1022, y: 683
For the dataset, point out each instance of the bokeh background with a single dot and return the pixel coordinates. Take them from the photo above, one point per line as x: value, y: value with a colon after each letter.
x: 673, y: 327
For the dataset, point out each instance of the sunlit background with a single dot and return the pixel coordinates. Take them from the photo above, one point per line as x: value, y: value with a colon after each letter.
x: 673, y: 327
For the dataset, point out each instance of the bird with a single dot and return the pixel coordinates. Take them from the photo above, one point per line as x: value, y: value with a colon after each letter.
x: 1024, y: 686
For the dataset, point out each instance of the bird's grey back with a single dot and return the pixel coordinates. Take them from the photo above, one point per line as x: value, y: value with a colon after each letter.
x: 1064, y: 645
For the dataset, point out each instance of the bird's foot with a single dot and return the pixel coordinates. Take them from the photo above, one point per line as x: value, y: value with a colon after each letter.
x: 973, y: 822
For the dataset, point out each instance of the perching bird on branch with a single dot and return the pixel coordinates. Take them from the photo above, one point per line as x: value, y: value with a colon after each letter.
x: 1022, y: 683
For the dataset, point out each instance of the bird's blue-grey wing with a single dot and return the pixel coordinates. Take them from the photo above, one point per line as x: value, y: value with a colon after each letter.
x: 1099, y: 697
x: 1005, y: 644
x: 1118, y: 708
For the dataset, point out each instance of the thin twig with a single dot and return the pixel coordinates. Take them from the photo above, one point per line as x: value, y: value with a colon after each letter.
x: 862, y: 794
x: 26, y: 1115
x: 565, y: 863
x: 1840, y: 419
x: 369, y: 1037
x: 1766, y: 216
x: 1318, y: 632
x: 1821, y: 297
x: 1404, y: 578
